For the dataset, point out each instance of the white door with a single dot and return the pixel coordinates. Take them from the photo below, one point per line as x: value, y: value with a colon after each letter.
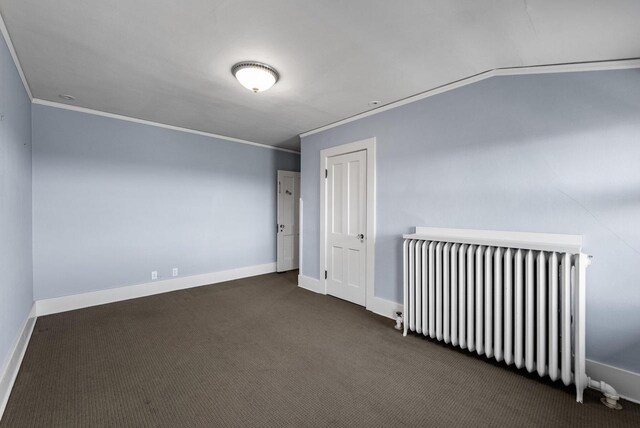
x: 346, y: 226
x: 288, y: 227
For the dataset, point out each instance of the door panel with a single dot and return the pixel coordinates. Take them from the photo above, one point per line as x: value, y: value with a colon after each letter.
x: 337, y: 255
x: 288, y: 233
x: 346, y: 218
x: 337, y: 198
x: 353, y: 210
x: 354, y: 268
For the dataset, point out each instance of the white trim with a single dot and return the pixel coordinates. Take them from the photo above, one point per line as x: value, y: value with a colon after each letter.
x: 282, y: 265
x: 300, y: 229
x: 10, y: 371
x: 157, y: 124
x: 537, y: 69
x: 384, y: 307
x: 14, y: 55
x: 310, y: 284
x: 527, y: 240
x: 101, y: 297
x: 572, y: 67
x: 626, y: 383
x: 377, y: 305
x: 370, y: 146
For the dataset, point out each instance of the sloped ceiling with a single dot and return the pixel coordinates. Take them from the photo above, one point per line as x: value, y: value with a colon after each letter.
x: 169, y: 61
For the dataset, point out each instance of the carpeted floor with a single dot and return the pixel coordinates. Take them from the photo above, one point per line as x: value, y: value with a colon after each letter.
x: 263, y: 352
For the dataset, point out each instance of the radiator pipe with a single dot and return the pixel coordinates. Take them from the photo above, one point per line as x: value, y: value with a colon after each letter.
x: 610, y: 398
x: 399, y: 321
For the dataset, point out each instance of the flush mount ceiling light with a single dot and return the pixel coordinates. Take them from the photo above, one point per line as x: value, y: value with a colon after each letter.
x: 255, y: 76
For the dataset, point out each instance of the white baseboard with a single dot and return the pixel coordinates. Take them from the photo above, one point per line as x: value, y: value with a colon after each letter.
x: 626, y: 383
x: 10, y: 371
x: 310, y: 284
x: 377, y: 305
x: 101, y: 297
x: 386, y: 308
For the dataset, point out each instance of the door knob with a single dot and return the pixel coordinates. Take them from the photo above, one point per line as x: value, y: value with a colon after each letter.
x: 361, y: 236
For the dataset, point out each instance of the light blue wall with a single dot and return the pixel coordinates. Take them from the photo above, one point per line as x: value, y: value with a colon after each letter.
x: 16, y: 283
x: 115, y: 200
x: 556, y: 153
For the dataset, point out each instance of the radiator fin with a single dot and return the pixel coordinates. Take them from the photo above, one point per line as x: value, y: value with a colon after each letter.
x: 510, y: 304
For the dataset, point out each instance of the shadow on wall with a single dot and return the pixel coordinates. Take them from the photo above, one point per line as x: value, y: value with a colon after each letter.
x: 553, y: 153
x: 115, y: 200
x: 519, y: 109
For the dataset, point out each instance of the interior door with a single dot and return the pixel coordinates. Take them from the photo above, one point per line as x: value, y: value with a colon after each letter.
x: 288, y: 231
x: 346, y: 226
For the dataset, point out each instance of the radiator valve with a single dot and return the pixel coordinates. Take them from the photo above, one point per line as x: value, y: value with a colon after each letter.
x: 398, y: 320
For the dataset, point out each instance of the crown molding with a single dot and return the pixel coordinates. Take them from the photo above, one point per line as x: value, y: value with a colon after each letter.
x: 509, y: 71
x: 54, y: 104
x: 14, y: 55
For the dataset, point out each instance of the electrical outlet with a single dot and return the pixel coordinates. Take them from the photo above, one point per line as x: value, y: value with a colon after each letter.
x: 175, y: 271
x: 154, y: 274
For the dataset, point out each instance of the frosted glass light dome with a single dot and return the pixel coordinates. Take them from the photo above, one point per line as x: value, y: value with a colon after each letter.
x: 255, y: 76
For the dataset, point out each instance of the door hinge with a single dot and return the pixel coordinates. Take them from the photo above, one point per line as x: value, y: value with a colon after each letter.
x: 325, y: 274
x: 326, y: 173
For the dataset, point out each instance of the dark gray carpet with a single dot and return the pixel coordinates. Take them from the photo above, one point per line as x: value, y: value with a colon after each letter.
x: 263, y: 352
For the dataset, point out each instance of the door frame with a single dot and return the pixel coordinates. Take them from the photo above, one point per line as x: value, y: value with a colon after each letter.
x: 369, y: 145
x: 296, y: 201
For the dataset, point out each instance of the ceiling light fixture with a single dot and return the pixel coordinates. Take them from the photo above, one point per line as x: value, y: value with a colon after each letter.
x: 255, y: 76
x: 67, y: 97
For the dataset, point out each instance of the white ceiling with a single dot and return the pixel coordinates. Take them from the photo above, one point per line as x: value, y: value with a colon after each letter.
x: 169, y: 61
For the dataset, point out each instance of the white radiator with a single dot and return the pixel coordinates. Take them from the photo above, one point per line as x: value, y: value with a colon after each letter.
x: 515, y: 297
